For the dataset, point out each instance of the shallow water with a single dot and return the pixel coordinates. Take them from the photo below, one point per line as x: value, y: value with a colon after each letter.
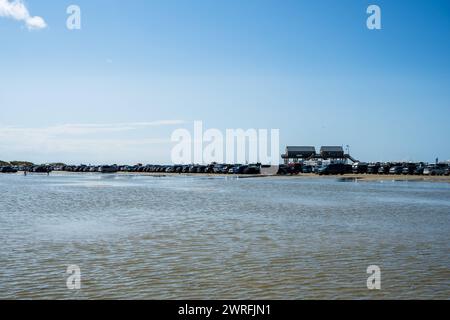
x: 205, y: 238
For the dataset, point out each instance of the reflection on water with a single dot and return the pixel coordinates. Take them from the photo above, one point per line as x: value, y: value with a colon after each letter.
x: 193, y: 237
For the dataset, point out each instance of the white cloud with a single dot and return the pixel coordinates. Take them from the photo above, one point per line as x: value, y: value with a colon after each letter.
x: 98, y: 143
x: 17, y: 10
x: 83, y: 128
x: 36, y: 23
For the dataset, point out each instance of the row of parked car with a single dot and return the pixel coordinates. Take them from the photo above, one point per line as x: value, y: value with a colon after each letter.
x: 291, y: 169
x: 211, y: 168
x: 369, y: 168
x: 8, y: 169
x: 325, y: 169
x: 15, y: 169
x: 402, y: 168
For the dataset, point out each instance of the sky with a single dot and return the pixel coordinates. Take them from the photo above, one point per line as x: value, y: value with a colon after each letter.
x: 115, y: 90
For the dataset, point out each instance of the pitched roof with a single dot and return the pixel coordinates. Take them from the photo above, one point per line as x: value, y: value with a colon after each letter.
x: 331, y: 149
x: 301, y: 149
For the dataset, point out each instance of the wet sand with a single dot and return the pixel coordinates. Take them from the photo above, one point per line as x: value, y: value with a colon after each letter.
x: 386, y: 177
x: 358, y: 177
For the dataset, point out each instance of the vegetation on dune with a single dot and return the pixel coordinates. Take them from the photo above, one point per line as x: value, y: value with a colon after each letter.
x: 22, y: 163
x: 57, y: 164
x: 27, y: 163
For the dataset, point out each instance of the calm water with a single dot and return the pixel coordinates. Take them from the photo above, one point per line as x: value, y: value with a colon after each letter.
x: 198, y: 237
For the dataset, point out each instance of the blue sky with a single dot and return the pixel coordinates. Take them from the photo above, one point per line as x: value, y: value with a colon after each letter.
x: 116, y: 89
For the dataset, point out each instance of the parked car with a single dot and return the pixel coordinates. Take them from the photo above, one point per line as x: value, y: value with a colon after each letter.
x: 333, y: 168
x: 185, y: 169
x: 283, y: 169
x: 237, y: 169
x: 384, y: 169
x: 409, y: 168
x: 359, y: 167
x: 107, y: 169
x: 295, y: 168
x: 193, y: 169
x: 218, y: 168
x: 419, y: 170
x: 226, y: 168
x: 178, y: 169
x: 209, y: 168
x: 447, y: 171
x: 307, y: 169
x: 8, y: 169
x: 40, y: 169
x: 201, y: 169
x: 373, y: 168
x: 252, y: 169
x: 434, y: 170
x: 396, y: 170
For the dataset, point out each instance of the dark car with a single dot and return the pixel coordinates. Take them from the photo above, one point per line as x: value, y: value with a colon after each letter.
x: 434, y: 170
x: 283, y: 169
x: 218, y: 168
x: 232, y: 169
x: 384, y: 169
x: 252, y: 169
x: 348, y: 168
x: 373, y: 168
x: 178, y: 169
x: 201, y: 169
x: 8, y: 169
x: 295, y: 168
x: 409, y: 168
x: 107, y: 169
x: 238, y: 169
x: 396, y: 170
x: 333, y: 168
x: 170, y: 169
x: 40, y: 169
x: 307, y: 169
x: 162, y: 169
x: 419, y: 170
x: 193, y: 169
x: 359, y: 167
x: 226, y: 168
x: 447, y: 171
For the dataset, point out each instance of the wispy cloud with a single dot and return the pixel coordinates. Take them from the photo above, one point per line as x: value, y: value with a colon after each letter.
x: 82, y: 128
x: 17, y: 10
x: 89, y: 141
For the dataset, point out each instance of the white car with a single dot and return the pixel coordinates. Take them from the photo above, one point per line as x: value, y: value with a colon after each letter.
x: 434, y: 170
